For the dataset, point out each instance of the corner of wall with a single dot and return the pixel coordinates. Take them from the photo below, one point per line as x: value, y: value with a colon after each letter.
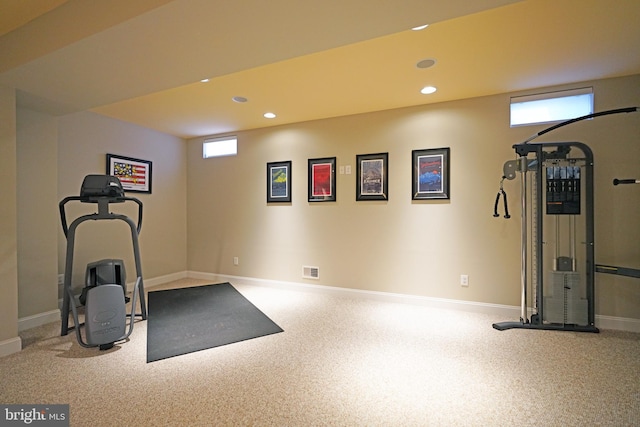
x: 10, y: 346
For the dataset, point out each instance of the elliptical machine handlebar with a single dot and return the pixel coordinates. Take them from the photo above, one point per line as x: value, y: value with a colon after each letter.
x: 101, y: 201
x: 103, y: 190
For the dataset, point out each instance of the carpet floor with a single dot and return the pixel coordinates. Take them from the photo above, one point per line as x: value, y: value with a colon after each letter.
x: 343, y: 361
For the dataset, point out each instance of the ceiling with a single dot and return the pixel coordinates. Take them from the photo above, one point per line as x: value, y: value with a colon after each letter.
x: 142, y: 61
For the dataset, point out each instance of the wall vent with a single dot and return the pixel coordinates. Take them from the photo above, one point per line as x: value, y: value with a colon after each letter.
x: 310, y: 272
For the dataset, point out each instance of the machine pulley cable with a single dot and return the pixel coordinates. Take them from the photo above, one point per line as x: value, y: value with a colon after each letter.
x: 577, y: 119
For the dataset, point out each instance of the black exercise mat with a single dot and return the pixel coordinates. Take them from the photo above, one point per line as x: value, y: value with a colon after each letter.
x: 181, y: 321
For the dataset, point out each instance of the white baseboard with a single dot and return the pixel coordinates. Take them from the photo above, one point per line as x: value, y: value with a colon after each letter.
x: 618, y: 323
x: 443, y: 303
x: 508, y: 311
x: 38, y: 320
x: 10, y: 346
x: 161, y: 280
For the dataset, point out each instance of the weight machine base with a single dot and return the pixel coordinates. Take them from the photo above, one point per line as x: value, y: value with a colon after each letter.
x: 503, y: 326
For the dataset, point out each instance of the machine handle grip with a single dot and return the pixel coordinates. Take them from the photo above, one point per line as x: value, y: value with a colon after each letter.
x: 495, y: 206
x: 626, y: 181
x: 506, y: 206
x: 139, y: 203
x: 63, y: 214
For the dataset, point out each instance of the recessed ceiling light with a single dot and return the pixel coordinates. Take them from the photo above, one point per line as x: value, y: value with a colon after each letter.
x: 426, y: 63
x: 270, y: 115
x: 239, y: 99
x: 421, y: 27
x: 428, y: 89
x: 204, y: 80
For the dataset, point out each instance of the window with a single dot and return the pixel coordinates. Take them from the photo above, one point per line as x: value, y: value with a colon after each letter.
x: 218, y: 147
x: 551, y: 107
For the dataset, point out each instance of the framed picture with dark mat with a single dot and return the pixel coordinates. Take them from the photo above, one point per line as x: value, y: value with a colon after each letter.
x: 372, y: 176
x: 322, y: 179
x: 430, y: 177
x: 279, y: 182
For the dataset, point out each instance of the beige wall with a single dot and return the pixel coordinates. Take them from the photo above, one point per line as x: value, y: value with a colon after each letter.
x: 83, y: 142
x: 8, y: 217
x: 37, y: 213
x: 401, y: 246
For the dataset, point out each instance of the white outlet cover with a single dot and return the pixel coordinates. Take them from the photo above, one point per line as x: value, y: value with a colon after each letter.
x: 464, y: 280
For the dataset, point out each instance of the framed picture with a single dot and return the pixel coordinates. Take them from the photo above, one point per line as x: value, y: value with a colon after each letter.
x: 134, y: 174
x: 430, y: 174
x: 322, y: 180
x: 373, y: 178
x: 279, y: 182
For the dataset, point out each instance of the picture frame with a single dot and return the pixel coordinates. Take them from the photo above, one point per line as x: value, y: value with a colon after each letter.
x: 430, y: 177
x: 279, y: 182
x: 372, y: 172
x: 322, y: 179
x: 134, y: 174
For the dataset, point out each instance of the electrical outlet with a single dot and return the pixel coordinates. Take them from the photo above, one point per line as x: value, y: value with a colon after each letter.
x: 236, y: 260
x: 464, y: 280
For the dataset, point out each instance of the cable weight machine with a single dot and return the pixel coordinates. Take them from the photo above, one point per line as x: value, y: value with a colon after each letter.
x: 557, y: 258
x: 557, y: 234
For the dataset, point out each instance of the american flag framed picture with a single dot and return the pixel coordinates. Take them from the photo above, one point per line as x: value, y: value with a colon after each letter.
x: 134, y: 174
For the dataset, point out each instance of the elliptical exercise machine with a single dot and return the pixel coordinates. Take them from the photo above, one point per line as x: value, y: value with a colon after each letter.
x: 557, y: 213
x: 104, y: 293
